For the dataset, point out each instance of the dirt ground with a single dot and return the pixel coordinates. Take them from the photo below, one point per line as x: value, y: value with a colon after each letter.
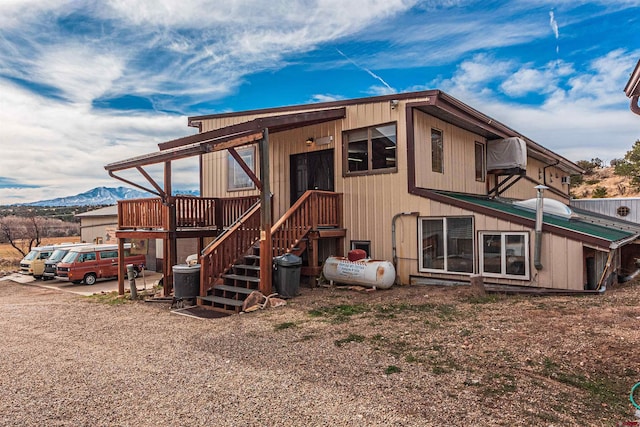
x: 407, y: 356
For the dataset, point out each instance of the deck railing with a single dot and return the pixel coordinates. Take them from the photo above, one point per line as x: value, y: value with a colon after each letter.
x: 142, y: 213
x: 184, y: 212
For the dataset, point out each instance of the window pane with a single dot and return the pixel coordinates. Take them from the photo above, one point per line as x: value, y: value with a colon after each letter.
x: 480, y: 162
x: 436, y: 151
x: 515, y: 254
x: 108, y: 254
x: 492, y: 253
x: 357, y: 156
x: 383, y: 147
x: 237, y: 178
x: 433, y: 244
x: 460, y: 245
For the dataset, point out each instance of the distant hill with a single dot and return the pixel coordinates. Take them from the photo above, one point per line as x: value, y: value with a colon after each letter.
x: 611, y: 185
x: 100, y: 196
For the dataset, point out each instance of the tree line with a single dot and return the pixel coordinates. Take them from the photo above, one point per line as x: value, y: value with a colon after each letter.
x: 24, y: 227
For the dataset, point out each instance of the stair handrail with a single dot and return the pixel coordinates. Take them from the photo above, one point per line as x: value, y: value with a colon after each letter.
x: 309, y: 219
x: 225, y: 230
x: 213, y: 265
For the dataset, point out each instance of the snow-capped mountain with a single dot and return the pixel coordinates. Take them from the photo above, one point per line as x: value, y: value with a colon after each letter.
x: 101, y: 196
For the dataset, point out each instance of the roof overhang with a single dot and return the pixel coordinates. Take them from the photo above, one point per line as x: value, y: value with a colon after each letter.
x: 633, y: 85
x: 181, y: 152
x: 632, y: 89
x: 276, y: 123
x: 227, y: 137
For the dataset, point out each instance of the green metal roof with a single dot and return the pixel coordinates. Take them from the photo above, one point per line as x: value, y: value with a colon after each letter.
x: 609, y: 233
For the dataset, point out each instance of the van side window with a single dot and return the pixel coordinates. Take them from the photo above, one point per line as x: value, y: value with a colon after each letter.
x: 89, y: 256
x: 108, y: 254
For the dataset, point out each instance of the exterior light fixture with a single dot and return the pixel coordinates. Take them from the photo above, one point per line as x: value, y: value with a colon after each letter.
x: 309, y: 141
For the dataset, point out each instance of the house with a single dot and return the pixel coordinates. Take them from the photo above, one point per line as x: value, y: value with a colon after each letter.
x: 419, y: 178
x: 632, y: 89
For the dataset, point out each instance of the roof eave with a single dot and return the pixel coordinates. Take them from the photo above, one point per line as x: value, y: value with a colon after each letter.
x: 633, y: 85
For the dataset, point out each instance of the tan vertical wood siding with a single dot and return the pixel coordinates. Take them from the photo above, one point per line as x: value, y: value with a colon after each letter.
x: 459, y: 157
x: 536, y: 171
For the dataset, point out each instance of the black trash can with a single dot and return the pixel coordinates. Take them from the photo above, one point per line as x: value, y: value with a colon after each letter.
x: 286, y: 275
x: 186, y: 281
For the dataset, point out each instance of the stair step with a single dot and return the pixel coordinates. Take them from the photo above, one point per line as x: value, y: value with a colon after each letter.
x: 221, y: 300
x: 252, y: 257
x: 247, y: 267
x: 241, y: 277
x: 235, y: 289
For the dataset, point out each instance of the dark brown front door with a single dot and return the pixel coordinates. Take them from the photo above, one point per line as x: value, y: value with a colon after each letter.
x: 311, y: 171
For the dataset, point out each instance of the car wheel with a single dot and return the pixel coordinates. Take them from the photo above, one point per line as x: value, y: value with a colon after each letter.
x: 90, y: 279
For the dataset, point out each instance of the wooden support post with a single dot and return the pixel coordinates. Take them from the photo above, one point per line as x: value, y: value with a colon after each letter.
x: 266, y: 243
x: 169, y: 249
x: 313, y: 256
x: 166, y: 268
x: 121, y: 267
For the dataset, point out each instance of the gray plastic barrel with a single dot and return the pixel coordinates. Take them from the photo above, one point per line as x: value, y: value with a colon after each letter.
x: 186, y: 281
x: 286, y: 275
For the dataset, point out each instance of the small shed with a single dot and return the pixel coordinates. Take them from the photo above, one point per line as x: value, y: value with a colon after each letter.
x: 96, y: 224
x: 622, y: 208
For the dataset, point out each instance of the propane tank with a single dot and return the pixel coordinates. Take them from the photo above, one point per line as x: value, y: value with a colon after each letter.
x: 371, y: 273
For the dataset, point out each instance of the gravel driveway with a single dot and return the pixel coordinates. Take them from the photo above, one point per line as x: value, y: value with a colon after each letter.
x: 410, y: 356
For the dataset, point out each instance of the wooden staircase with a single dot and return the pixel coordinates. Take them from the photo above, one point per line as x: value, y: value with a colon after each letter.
x: 236, y: 284
x: 231, y: 263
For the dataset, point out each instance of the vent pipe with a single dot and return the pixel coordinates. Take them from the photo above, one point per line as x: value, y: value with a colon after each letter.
x: 539, y: 219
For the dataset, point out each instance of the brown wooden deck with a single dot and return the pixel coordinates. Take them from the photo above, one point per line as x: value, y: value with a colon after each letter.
x: 176, y: 217
x: 315, y: 213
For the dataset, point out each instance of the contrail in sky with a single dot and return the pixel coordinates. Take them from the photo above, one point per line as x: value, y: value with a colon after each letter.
x: 371, y: 73
x: 554, y: 27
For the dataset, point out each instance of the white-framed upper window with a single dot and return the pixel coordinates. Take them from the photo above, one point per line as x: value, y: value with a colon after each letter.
x: 237, y: 179
x: 446, y: 244
x: 504, y: 254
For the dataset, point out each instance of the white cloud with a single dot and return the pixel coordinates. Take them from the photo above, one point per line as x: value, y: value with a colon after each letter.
x: 180, y: 54
x: 578, y: 107
x: 61, y: 148
x: 527, y: 80
x: 175, y: 54
x: 325, y: 98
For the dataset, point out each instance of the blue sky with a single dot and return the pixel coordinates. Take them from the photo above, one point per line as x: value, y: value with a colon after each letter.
x: 87, y: 82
